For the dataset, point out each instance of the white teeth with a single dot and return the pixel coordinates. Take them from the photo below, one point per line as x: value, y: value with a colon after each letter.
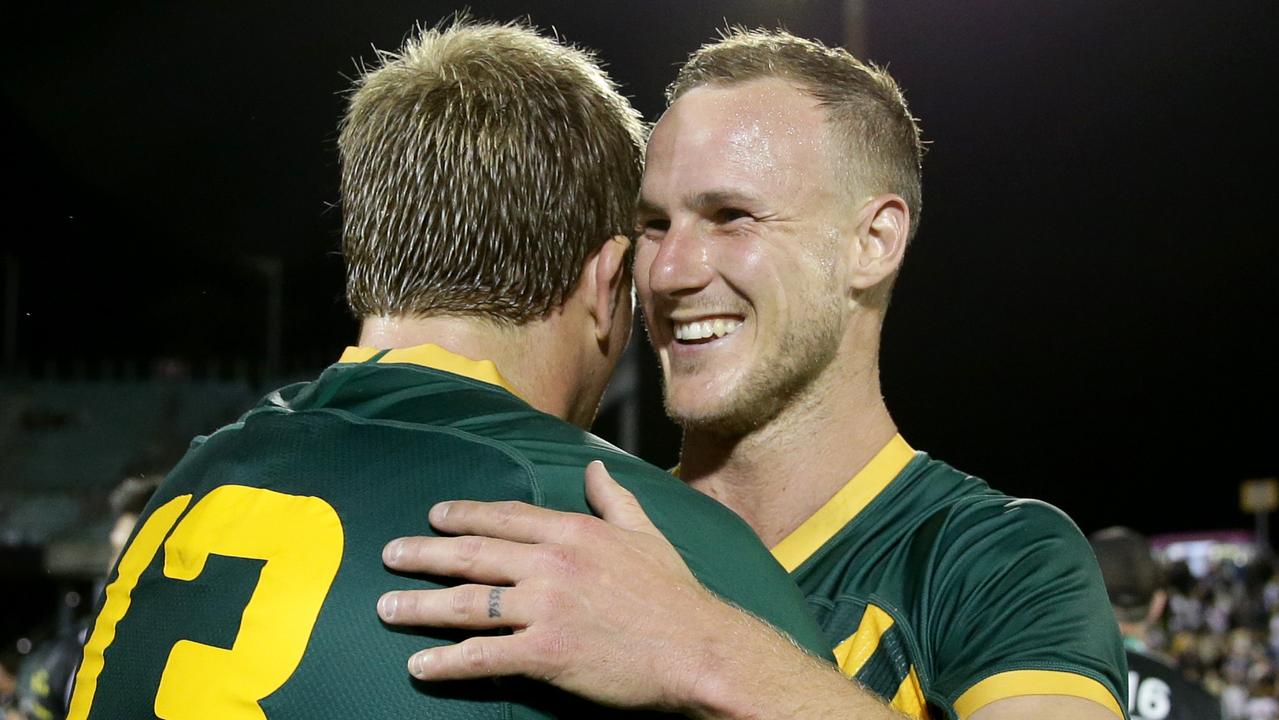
x: 701, y: 330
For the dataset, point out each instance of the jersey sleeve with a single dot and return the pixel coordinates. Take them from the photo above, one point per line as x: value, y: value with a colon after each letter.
x: 1018, y: 607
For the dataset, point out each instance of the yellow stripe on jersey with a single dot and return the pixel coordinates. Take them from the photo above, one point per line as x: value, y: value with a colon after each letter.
x: 146, y: 543
x: 853, y: 653
x: 1034, y: 682
x: 840, y: 510
x: 433, y: 356
x: 909, y: 699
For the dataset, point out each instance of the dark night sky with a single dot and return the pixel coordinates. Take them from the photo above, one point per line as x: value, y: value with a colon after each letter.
x: 1088, y: 314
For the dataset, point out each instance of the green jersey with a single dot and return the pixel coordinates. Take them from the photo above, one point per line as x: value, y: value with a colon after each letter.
x: 942, y: 595
x: 249, y: 587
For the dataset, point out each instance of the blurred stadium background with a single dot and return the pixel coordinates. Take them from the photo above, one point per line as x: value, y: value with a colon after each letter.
x: 1087, y: 317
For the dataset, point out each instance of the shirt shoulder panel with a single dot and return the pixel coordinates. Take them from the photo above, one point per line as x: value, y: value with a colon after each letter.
x: 1015, y: 588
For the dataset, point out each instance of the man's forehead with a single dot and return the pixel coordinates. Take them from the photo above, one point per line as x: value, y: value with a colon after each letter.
x: 745, y: 113
x: 764, y: 131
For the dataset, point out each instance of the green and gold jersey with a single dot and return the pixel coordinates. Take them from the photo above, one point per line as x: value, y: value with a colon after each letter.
x: 942, y: 595
x: 249, y: 587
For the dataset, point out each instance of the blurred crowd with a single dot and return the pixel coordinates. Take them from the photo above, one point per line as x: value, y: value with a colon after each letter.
x: 1222, y: 630
x: 36, y: 677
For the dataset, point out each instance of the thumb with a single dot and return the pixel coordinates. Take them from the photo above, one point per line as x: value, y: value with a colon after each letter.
x: 615, y: 503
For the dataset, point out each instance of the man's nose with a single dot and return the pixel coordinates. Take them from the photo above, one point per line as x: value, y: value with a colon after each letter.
x: 682, y: 264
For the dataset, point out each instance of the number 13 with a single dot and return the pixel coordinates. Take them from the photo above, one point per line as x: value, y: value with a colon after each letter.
x: 299, y: 537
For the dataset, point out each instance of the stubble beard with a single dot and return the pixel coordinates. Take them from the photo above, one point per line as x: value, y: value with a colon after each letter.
x: 782, y: 378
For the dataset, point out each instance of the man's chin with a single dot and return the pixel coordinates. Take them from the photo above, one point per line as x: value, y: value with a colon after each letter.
x: 722, y: 419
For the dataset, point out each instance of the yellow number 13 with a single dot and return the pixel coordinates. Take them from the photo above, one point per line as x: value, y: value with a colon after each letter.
x: 299, y: 537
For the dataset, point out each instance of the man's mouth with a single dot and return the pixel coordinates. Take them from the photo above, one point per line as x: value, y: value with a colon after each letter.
x: 705, y: 330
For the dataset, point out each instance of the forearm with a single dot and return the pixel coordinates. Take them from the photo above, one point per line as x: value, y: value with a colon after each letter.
x: 756, y: 673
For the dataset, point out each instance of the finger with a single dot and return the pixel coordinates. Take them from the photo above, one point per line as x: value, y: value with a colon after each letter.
x: 474, y: 607
x: 478, y: 559
x: 615, y: 503
x: 476, y: 657
x: 515, y: 521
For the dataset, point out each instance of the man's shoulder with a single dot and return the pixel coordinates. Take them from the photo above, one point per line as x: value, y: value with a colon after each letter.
x: 981, y: 532
x: 928, y: 487
x: 971, y: 540
x: 418, y: 404
x: 337, y: 438
x: 963, y: 506
x: 401, y: 400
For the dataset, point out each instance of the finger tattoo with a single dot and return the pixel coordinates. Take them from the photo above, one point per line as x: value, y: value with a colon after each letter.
x: 495, y: 602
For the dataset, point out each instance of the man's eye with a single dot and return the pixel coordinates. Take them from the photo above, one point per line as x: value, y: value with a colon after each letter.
x: 655, y: 225
x: 723, y: 216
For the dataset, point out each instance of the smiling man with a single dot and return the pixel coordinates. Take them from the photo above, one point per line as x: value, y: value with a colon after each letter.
x: 781, y: 189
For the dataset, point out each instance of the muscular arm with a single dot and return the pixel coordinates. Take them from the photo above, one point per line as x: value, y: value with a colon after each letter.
x: 607, y: 609
x: 1053, y: 707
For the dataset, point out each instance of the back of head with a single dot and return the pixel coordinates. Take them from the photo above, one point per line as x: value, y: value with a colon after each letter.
x: 1131, y: 573
x: 481, y: 165
x: 865, y: 106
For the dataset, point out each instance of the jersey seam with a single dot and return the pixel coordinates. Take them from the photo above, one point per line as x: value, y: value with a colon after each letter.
x: 500, y: 446
x: 539, y: 498
x: 926, y: 589
x: 907, y: 630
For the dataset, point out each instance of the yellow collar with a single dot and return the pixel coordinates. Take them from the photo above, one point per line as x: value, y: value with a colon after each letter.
x: 840, y: 510
x: 433, y: 356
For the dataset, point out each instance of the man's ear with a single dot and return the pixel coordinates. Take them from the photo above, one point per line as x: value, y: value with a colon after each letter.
x: 608, y: 273
x: 880, y: 244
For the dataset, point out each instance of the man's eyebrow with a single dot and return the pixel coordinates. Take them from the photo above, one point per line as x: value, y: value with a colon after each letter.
x: 719, y: 197
x: 698, y: 201
x: 646, y: 208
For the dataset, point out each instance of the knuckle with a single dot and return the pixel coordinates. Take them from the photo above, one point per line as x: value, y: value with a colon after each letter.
x: 468, y: 549
x: 551, y: 647
x: 552, y: 602
x: 508, y: 511
x: 464, y: 600
x: 558, y: 559
x: 475, y: 656
x: 581, y: 526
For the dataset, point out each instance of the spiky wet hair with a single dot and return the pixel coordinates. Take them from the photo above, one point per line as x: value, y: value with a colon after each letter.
x: 481, y: 165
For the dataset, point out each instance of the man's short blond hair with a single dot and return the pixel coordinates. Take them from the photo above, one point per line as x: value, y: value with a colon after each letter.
x: 864, y: 103
x: 481, y: 165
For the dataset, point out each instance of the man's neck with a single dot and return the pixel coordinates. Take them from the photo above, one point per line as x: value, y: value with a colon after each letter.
x: 777, y: 476
x: 528, y: 356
